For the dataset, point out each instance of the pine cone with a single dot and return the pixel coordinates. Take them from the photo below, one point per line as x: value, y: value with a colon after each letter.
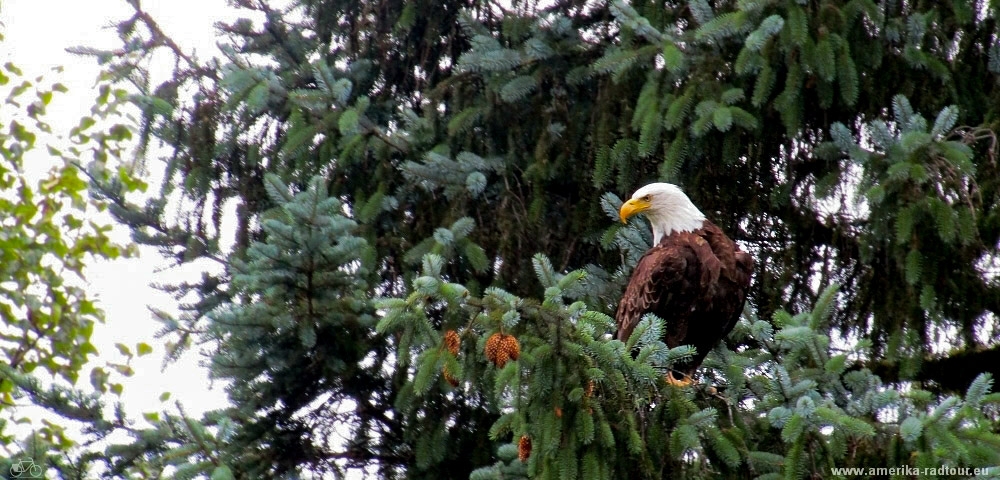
x: 524, y: 448
x: 500, y: 348
x: 511, y: 346
x: 448, y: 377
x: 452, y: 341
x: 589, y: 391
x: 492, y: 347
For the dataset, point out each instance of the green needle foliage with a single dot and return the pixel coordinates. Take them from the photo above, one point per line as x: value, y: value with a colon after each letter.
x: 405, y: 174
x: 49, y: 230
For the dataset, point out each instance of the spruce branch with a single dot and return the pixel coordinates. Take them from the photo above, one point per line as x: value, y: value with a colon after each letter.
x: 160, y: 38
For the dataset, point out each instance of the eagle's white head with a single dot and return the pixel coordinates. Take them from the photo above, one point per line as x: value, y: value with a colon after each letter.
x: 667, y: 208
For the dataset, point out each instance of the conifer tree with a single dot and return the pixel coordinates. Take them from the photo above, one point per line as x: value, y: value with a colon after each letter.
x: 49, y: 231
x: 428, y: 249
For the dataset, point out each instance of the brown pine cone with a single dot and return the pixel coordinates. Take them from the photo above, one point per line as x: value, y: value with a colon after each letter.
x: 452, y: 341
x: 524, y: 448
x: 500, y: 348
x: 492, y: 348
x: 449, y: 377
x: 511, y: 346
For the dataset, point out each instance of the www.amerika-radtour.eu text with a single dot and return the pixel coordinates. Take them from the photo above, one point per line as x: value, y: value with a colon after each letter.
x: 906, y: 470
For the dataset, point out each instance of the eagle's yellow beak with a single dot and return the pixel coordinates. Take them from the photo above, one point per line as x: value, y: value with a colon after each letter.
x: 632, y: 207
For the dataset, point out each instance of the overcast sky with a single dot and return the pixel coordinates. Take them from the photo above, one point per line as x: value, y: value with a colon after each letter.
x: 37, y: 33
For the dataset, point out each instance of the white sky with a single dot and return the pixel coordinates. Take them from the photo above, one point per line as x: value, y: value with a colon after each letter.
x: 37, y: 33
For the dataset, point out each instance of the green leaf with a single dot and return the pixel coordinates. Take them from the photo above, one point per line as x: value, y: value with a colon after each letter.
x: 723, y: 447
x: 673, y: 58
x: 585, y: 427
x: 913, y: 140
x: 678, y: 110
x: 910, y: 429
x: 836, y: 364
x: 722, y: 117
x: 143, y: 348
x: 123, y: 349
x: 748, y: 62
x: 222, y: 472
x: 683, y: 439
x: 477, y: 257
x: 966, y: 226
x: 503, y: 426
x: 826, y: 65
x: 732, y: 96
x: 796, y: 26
x: 945, y: 121
x: 945, y: 219
x: 307, y: 334
x: 674, y: 160
x: 543, y: 270
x: 464, y: 120
x: 618, y: 61
x: 443, y: 236
x: 428, y: 365
x: 767, y: 29
x: 928, y: 298
x: 978, y: 389
x: 276, y: 189
x: 10, y: 67
x: 256, y: 99
x: 348, y: 123
x: 847, y: 77
x: 518, y: 88
x: 855, y: 427
x: 765, y: 461
x: 914, y: 266
x: 763, y: 86
x: 722, y: 26
x: 793, y: 428
x: 905, y: 220
x: 475, y: 183
x: 824, y: 308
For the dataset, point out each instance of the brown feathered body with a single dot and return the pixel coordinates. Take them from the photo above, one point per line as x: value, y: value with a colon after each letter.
x: 697, y: 281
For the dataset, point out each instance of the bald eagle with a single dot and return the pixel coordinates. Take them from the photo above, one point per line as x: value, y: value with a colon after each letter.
x: 694, y: 277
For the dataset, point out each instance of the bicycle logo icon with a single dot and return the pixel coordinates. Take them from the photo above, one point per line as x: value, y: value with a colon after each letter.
x: 26, y: 468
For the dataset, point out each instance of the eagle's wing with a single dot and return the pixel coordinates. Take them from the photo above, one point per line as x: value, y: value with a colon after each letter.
x: 660, y: 277
x: 740, y: 277
x: 744, y: 267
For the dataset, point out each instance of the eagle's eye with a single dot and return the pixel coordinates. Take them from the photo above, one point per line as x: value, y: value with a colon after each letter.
x: 647, y: 198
